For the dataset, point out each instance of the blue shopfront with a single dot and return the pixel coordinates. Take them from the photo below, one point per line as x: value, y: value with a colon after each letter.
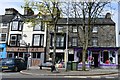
x: 98, y: 57
x: 3, y: 52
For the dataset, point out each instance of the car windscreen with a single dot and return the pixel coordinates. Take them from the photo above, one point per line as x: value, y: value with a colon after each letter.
x: 7, y: 61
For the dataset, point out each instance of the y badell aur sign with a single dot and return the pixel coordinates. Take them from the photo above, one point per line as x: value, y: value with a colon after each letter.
x: 15, y: 49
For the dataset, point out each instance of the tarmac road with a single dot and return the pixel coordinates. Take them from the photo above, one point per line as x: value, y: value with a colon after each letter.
x: 19, y: 76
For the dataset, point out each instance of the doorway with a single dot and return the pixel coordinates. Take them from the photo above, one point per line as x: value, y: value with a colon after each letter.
x: 95, y: 56
x: 59, y: 57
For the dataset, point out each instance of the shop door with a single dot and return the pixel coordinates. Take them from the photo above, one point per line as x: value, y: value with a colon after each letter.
x: 95, y: 56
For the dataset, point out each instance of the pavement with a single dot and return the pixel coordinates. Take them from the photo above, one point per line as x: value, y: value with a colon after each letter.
x: 62, y: 72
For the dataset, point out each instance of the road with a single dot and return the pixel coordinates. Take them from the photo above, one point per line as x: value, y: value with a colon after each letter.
x: 19, y: 76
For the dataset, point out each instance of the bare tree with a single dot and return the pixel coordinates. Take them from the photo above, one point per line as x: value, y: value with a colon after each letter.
x: 50, y: 9
x: 89, y: 12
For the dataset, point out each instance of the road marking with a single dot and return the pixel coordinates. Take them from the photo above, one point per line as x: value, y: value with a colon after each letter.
x: 109, y: 77
x: 75, y: 76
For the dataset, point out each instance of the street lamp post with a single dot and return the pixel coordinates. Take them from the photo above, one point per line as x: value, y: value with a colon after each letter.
x: 28, y: 55
x: 66, y: 52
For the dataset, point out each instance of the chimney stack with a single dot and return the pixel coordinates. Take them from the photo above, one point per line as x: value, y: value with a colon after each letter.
x: 108, y: 15
x: 10, y: 11
x: 28, y: 11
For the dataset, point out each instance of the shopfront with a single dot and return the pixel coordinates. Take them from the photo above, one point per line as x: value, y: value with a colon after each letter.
x: 99, y: 57
x: 33, y: 53
x: 3, y: 50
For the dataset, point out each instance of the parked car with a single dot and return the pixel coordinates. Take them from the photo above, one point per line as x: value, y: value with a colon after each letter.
x: 13, y: 64
x: 46, y: 64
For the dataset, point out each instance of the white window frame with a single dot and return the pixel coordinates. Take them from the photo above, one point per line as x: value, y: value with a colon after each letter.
x: 95, y: 29
x: 94, y: 41
x: 74, y: 29
x: 3, y: 26
x: 74, y: 41
x: 60, y: 29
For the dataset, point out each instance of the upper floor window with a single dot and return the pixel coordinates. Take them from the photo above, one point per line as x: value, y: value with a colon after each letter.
x: 60, y: 41
x: 74, y: 28
x: 15, y: 40
x: 3, y: 37
x: 4, y: 24
x: 95, y: 29
x: 95, y: 41
x: 74, y: 41
x: 17, y: 25
x: 38, y: 40
x: 60, y: 29
x: 39, y: 27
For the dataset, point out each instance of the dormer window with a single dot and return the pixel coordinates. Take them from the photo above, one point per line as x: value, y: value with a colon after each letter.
x: 5, y: 24
x: 95, y: 29
x: 74, y: 29
x: 60, y: 29
x: 39, y: 27
x: 17, y: 25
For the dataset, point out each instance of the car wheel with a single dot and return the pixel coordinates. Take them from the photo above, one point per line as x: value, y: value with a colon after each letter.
x: 16, y: 69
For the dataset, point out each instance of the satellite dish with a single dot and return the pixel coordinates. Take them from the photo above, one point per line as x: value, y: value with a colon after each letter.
x: 22, y: 43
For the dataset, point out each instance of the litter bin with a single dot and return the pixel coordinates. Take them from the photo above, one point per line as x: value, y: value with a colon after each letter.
x: 74, y: 66
x: 69, y: 65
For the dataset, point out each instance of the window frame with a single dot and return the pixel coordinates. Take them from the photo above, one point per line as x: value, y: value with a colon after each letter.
x: 95, y: 29
x: 60, y: 29
x: 36, y: 55
x: 73, y: 29
x: 1, y: 39
x: 60, y: 42
x: 19, y: 25
x: 17, y: 40
x: 41, y: 37
x: 41, y: 26
x: 94, y: 41
x: 57, y: 35
x: 74, y: 42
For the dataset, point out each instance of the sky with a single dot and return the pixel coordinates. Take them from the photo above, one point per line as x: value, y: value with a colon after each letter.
x: 18, y: 3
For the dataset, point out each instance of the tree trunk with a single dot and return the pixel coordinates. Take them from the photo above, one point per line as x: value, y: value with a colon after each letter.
x: 54, y: 47
x: 83, y: 59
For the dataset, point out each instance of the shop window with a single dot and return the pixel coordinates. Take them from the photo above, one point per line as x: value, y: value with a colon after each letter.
x: 71, y: 57
x: 112, y: 57
x: 15, y: 55
x: 79, y: 55
x: 105, y: 56
x: 36, y: 55
x: 21, y: 55
x: 1, y: 49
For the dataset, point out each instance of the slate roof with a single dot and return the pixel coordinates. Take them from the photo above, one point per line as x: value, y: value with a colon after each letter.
x: 98, y: 21
x: 6, y: 18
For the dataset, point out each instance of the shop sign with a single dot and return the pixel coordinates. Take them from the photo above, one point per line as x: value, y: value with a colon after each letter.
x: 12, y: 49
